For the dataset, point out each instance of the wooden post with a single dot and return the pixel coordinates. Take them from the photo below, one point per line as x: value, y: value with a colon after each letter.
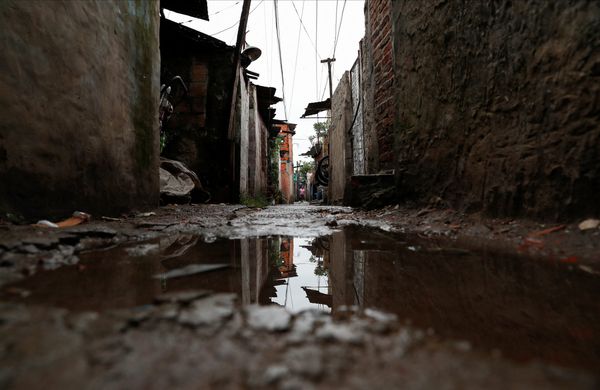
x: 329, y: 61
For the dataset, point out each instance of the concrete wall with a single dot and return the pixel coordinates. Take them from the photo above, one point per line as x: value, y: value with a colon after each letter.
x: 79, y: 84
x: 498, y: 105
x: 340, y: 152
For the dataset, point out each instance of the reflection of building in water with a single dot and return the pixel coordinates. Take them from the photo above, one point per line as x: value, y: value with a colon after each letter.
x: 281, y: 267
x: 286, y: 254
x: 320, y: 294
x: 317, y: 297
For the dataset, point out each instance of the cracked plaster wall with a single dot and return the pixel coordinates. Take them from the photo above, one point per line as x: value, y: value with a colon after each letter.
x: 78, y: 102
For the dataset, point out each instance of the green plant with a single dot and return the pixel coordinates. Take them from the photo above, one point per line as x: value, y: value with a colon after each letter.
x: 259, y: 201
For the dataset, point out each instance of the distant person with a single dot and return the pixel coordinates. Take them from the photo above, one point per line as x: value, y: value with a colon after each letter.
x: 302, y: 190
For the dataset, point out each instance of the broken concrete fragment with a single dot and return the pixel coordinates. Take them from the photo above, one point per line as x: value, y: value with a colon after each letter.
x: 340, y: 332
x: 270, y: 318
x: 182, y: 296
x: 380, y: 316
x: 304, y: 324
x: 212, y: 310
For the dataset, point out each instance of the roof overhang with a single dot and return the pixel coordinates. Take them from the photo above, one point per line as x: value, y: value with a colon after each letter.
x: 316, y: 107
x: 193, y: 8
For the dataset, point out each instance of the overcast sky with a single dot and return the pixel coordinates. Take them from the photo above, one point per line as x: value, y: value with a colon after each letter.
x: 304, y: 80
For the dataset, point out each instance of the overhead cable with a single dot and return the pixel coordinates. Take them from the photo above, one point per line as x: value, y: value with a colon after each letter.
x: 226, y: 8
x: 337, y: 35
x: 297, y: 51
x: 237, y: 22
x: 304, y: 27
x: 280, y: 58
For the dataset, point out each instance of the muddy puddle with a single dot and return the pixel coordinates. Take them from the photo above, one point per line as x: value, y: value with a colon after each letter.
x: 521, y: 308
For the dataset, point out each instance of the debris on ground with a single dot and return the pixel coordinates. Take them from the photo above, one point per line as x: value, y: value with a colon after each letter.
x: 77, y: 218
x: 178, y: 183
x: 589, y: 224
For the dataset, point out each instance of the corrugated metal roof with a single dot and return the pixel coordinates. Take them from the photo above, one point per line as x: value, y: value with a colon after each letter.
x: 199, y: 38
x: 316, y: 107
x: 193, y: 8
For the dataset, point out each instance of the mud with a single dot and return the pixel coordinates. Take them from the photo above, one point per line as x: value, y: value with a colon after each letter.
x: 341, y: 302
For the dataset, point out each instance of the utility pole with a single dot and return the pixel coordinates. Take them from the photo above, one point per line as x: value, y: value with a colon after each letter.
x: 329, y: 61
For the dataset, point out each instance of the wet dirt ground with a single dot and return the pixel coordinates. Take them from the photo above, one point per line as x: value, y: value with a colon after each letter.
x: 299, y: 296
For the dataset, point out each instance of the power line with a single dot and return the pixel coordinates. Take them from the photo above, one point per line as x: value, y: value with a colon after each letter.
x: 297, y: 51
x: 337, y: 35
x: 336, y: 15
x: 316, y: 52
x: 226, y: 8
x: 304, y: 27
x: 280, y: 58
x: 237, y: 22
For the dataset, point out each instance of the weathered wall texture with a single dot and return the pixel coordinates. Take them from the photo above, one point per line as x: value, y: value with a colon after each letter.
x: 286, y: 170
x: 357, y: 138
x: 257, y: 151
x: 340, y: 152
x: 378, y: 84
x: 498, y: 104
x: 242, y: 129
x: 79, y: 84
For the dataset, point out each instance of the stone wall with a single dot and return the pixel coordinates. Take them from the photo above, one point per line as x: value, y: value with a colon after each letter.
x: 79, y: 84
x: 340, y: 152
x: 498, y: 105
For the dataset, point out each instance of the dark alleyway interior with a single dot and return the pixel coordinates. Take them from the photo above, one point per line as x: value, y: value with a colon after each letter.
x: 427, y: 218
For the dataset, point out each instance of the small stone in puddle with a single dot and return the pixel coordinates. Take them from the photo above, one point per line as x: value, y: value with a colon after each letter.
x: 181, y: 296
x: 270, y: 318
x: 142, y: 250
x: 274, y: 373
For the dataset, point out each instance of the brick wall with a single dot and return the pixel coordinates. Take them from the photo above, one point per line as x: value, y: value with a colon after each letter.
x: 379, y: 68
x: 197, y: 131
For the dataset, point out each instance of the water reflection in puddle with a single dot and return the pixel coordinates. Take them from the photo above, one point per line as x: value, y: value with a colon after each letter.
x: 303, y: 281
x: 521, y: 307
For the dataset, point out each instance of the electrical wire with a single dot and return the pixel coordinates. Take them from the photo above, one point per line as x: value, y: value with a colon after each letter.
x: 237, y: 22
x: 336, y: 15
x: 316, y: 53
x: 226, y: 8
x: 280, y: 57
x: 304, y: 27
x: 337, y: 35
x: 297, y: 51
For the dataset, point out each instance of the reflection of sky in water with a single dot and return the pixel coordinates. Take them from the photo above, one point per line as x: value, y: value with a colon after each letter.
x: 291, y: 295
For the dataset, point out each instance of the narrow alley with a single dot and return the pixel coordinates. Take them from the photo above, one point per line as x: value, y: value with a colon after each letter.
x: 299, y: 194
